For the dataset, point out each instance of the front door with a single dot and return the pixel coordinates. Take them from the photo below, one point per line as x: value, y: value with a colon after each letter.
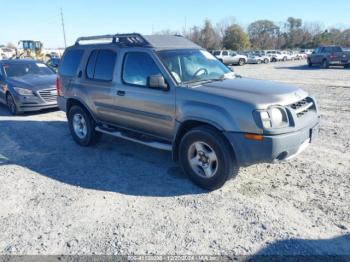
x: 142, y: 108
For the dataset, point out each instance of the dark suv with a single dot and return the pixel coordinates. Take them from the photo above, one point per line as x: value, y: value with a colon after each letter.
x: 168, y: 93
x: 329, y: 56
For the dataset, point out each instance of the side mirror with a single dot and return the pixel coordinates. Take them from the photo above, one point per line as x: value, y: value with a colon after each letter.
x: 313, y: 52
x: 157, y: 82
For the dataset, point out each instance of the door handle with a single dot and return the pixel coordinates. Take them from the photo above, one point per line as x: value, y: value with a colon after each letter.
x: 120, y: 93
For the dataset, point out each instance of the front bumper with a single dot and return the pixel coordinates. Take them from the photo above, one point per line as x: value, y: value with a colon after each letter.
x: 272, y: 148
x: 33, y: 103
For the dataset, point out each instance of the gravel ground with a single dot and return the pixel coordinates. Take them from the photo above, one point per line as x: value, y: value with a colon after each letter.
x: 122, y: 198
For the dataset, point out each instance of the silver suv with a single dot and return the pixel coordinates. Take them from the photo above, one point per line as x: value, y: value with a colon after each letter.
x: 229, y: 57
x: 168, y: 93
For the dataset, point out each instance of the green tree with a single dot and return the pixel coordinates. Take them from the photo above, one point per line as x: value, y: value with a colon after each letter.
x: 235, y: 38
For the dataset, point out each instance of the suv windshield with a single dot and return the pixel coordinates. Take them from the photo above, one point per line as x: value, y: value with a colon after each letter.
x: 188, y: 66
x: 22, y: 69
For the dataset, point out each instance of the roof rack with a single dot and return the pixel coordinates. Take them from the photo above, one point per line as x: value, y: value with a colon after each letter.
x: 127, y: 40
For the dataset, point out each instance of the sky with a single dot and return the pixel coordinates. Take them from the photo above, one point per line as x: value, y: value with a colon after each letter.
x: 40, y: 19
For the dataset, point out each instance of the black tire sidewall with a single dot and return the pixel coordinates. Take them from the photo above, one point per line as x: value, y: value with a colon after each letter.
x: 89, y: 125
x: 217, y: 143
x: 325, y: 64
x: 9, y: 96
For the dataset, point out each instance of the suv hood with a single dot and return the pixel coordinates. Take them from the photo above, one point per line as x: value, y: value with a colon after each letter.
x: 259, y: 93
x: 33, y: 82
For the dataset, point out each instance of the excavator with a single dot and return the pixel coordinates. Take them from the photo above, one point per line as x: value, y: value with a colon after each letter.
x: 30, y: 49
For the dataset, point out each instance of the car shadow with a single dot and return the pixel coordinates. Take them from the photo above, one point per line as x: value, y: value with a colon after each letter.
x: 307, y: 68
x: 116, y: 165
x: 305, y: 250
x: 5, y: 112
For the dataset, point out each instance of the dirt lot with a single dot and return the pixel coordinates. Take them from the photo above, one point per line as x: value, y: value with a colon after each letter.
x: 123, y: 198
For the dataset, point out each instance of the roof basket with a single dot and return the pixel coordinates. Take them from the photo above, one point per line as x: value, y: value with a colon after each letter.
x: 127, y: 40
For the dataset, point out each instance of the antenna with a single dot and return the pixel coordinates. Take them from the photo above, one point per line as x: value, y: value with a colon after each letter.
x: 64, y: 31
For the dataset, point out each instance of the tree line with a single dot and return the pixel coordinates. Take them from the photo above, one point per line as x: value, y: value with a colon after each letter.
x: 265, y: 34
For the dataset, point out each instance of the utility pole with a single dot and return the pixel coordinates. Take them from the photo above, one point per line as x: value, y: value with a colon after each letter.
x: 64, y: 31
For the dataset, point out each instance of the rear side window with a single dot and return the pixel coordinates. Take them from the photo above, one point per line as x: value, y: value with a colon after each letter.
x: 70, y: 63
x: 90, y: 68
x: 138, y: 67
x: 100, y: 65
x: 337, y: 49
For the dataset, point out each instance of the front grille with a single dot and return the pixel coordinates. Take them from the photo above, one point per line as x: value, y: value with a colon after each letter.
x: 48, y: 95
x: 302, y: 107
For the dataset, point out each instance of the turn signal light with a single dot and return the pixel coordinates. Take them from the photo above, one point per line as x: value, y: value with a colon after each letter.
x: 253, y: 137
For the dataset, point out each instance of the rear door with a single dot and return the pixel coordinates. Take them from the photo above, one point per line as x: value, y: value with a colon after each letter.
x: 95, y: 83
x: 226, y: 58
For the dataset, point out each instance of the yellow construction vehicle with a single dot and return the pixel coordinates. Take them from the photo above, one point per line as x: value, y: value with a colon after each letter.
x: 31, y: 49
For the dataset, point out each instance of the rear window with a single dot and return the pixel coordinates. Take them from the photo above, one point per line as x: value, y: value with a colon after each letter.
x: 337, y: 49
x: 101, y: 65
x: 71, y: 61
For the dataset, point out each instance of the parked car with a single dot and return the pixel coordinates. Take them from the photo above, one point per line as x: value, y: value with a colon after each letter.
x: 265, y: 58
x: 230, y: 57
x: 53, y: 63
x: 168, y: 93
x: 275, y: 55
x: 7, y: 53
x: 254, y: 58
x: 329, y: 56
x: 27, y: 85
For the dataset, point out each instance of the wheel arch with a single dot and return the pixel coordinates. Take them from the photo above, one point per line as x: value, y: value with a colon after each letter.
x: 77, y: 102
x: 186, y: 126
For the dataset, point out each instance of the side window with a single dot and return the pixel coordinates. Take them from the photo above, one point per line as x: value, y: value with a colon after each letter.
x: 225, y: 53
x: 70, y: 63
x: 337, y: 49
x: 100, y: 65
x: 138, y: 67
x: 90, y: 67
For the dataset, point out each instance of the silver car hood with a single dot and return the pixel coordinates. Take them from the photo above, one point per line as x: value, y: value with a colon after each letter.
x: 259, y: 93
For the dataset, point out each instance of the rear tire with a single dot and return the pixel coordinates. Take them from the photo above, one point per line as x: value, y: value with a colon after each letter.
x: 11, y: 104
x: 325, y: 64
x: 266, y: 61
x: 241, y: 62
x: 309, y: 63
x: 207, y: 158
x: 82, y: 126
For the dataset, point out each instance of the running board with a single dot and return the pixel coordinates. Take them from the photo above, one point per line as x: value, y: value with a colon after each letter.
x: 119, y: 134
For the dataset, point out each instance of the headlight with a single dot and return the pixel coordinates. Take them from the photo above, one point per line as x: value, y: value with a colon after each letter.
x: 274, y: 117
x: 23, y: 91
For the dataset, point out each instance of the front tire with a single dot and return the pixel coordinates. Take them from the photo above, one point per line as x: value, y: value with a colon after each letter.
x: 207, y: 158
x: 11, y: 104
x: 82, y: 126
x: 266, y: 61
